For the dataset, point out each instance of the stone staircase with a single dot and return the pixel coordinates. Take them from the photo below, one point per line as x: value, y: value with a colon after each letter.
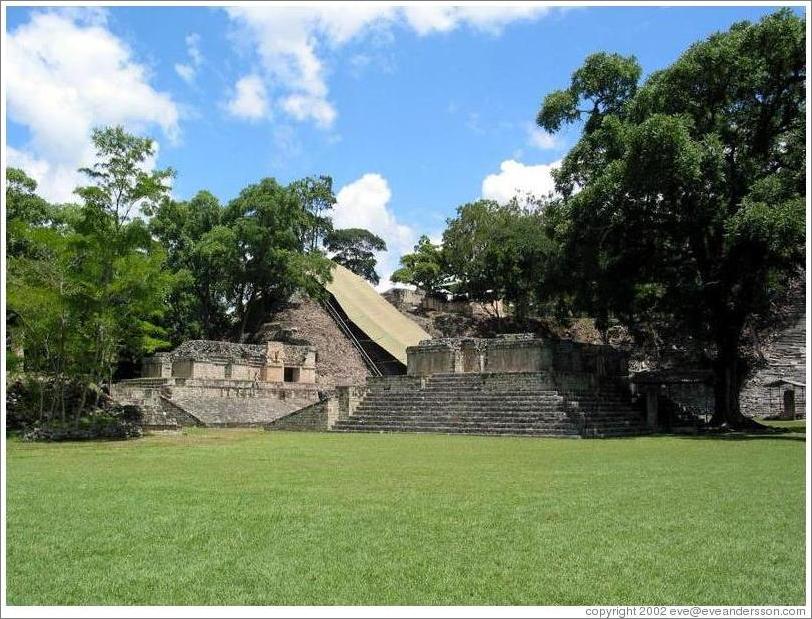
x: 502, y: 404
x: 236, y: 412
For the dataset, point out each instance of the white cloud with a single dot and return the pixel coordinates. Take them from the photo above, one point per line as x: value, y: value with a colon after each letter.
x: 291, y: 42
x: 188, y: 71
x: 193, y: 47
x: 426, y: 18
x: 66, y: 74
x: 517, y: 180
x: 304, y: 107
x: 364, y: 203
x: 55, y: 181
x: 539, y: 138
x: 250, y: 100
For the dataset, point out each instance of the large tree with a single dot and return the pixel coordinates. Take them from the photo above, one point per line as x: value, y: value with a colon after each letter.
x: 355, y: 249
x: 316, y: 198
x: 86, y: 282
x: 424, y: 268
x: 272, y: 259
x: 684, y: 198
x: 497, y: 252
x: 201, y: 251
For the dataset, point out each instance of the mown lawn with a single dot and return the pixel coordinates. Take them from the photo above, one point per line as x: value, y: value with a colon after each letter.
x: 252, y: 517
x: 790, y: 425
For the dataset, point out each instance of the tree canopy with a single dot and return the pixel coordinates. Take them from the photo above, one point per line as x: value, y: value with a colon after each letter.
x: 684, y: 198
x: 355, y: 249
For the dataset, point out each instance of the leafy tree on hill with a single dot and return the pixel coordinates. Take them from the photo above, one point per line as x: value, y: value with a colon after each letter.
x: 315, y: 195
x: 90, y: 286
x: 271, y: 258
x: 201, y: 253
x: 354, y: 248
x: 684, y: 199
x: 24, y: 210
x: 498, y: 252
x: 425, y: 268
x: 120, y: 183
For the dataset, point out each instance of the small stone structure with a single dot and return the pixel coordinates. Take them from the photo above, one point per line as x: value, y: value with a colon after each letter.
x: 786, y: 399
x: 272, y: 362
x: 210, y: 383
x: 784, y: 371
x: 515, y: 385
x: 676, y: 399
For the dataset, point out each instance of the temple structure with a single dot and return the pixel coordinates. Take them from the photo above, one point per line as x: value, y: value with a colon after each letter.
x: 210, y: 383
x: 515, y: 385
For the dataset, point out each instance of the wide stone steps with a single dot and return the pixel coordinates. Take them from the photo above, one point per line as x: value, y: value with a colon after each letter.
x: 233, y: 412
x: 517, y: 405
x: 450, y: 417
x: 456, y: 429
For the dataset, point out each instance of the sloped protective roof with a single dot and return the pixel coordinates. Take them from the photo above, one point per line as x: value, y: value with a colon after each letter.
x: 373, y: 314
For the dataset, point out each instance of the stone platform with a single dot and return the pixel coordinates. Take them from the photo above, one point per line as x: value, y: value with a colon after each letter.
x: 517, y: 385
x: 176, y: 402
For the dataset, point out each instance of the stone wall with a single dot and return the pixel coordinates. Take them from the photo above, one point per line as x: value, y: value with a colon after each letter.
x: 785, y: 358
x: 417, y: 300
x: 675, y: 393
x: 318, y: 417
x: 209, y: 359
x: 325, y: 413
x: 213, y: 402
x: 157, y: 366
x: 514, y: 353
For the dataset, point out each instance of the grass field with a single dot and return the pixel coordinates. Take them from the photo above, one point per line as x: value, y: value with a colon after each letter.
x: 252, y: 517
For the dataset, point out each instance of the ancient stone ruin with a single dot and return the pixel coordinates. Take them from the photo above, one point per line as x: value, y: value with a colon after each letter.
x: 513, y: 385
x: 211, y: 383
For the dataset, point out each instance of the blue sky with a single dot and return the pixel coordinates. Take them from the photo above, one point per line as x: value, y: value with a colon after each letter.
x: 411, y: 111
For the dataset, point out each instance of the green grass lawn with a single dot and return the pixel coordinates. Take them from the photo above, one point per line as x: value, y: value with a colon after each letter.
x: 790, y: 425
x: 253, y: 517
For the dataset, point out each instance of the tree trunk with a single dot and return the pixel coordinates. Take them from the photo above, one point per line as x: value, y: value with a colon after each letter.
x: 729, y: 375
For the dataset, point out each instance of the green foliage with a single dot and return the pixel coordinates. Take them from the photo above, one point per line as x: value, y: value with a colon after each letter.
x: 24, y: 211
x: 87, y: 284
x: 605, y: 82
x: 202, y: 254
x: 354, y: 248
x: 121, y: 184
x: 684, y: 199
x: 498, y: 252
x: 315, y: 195
x: 271, y: 260
x: 425, y: 268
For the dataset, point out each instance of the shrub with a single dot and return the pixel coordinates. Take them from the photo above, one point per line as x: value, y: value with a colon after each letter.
x: 118, y: 422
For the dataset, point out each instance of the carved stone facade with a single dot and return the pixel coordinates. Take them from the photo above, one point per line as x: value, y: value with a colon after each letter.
x: 209, y: 383
x: 272, y: 362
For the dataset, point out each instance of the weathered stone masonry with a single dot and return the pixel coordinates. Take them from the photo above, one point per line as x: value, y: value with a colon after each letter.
x: 517, y: 385
x: 223, y: 384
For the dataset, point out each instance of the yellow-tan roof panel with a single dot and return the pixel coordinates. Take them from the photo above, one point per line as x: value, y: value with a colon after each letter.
x: 373, y: 314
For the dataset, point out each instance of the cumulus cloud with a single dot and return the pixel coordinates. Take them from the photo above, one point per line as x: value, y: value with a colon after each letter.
x: 66, y: 74
x: 517, y: 180
x: 539, y: 138
x: 55, y: 181
x: 188, y: 71
x: 291, y: 43
x: 427, y: 18
x: 364, y: 203
x: 250, y: 100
